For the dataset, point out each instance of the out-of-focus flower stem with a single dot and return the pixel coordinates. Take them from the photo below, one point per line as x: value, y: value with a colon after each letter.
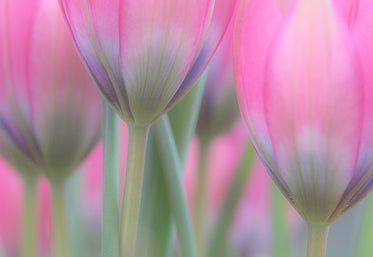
x: 316, y: 242
x: 29, y: 225
x: 218, y: 241
x: 173, y: 172
x: 60, y: 226
x: 110, y: 236
x: 200, y: 198
x: 280, y: 229
x: 137, y: 139
x: 365, y: 247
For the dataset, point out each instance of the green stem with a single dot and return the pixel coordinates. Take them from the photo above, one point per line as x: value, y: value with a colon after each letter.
x: 200, y: 199
x: 29, y: 234
x: 364, y: 245
x: 137, y: 138
x: 280, y: 229
x: 61, y: 242
x: 110, y: 231
x: 173, y: 174
x: 184, y: 117
x: 316, y: 243
x: 221, y: 230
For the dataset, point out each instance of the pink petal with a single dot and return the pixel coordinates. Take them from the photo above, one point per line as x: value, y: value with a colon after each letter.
x: 62, y: 90
x: 314, y: 104
x: 285, y: 5
x: 158, y: 43
x: 361, y: 183
x: 256, y: 26
x: 221, y: 18
x: 93, y: 24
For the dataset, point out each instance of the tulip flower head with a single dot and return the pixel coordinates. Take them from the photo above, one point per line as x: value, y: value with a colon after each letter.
x: 304, y: 83
x: 145, y: 55
x: 49, y: 113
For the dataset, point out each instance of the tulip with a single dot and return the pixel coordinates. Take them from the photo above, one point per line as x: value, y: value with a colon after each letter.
x: 304, y: 84
x: 49, y: 112
x: 144, y: 56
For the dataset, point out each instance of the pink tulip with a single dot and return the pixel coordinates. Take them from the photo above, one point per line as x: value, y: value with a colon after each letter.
x: 49, y: 112
x: 305, y: 88
x: 145, y: 55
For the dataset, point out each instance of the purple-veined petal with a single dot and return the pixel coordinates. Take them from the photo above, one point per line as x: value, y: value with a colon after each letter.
x: 256, y: 25
x: 313, y: 106
x: 220, y: 20
x: 361, y: 182
x: 158, y: 43
x: 94, y: 26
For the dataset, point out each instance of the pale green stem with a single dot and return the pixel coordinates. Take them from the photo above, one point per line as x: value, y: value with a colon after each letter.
x: 110, y: 230
x: 184, y: 117
x: 280, y: 228
x: 173, y: 177
x: 60, y: 226
x: 200, y: 199
x: 29, y: 226
x: 221, y: 230
x: 365, y: 246
x: 316, y: 242
x: 137, y: 138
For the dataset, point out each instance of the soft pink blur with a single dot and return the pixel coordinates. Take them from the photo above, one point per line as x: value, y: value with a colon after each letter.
x: 11, y: 208
x: 251, y: 224
x: 11, y: 201
x: 304, y: 85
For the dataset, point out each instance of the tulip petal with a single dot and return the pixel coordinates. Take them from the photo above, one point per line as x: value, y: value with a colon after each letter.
x: 361, y: 183
x: 314, y: 101
x: 256, y: 26
x: 93, y: 25
x: 221, y: 19
x: 158, y: 43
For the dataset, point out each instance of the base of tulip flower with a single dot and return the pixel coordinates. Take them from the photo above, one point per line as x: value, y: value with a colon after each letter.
x: 137, y: 140
x: 317, y: 238
x: 29, y: 234
x: 60, y: 226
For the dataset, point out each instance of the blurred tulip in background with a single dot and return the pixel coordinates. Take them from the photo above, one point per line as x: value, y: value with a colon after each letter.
x: 50, y: 115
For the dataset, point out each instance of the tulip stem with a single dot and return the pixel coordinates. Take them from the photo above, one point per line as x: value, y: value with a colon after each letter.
x: 280, y: 227
x: 60, y: 226
x: 29, y: 234
x: 137, y: 139
x: 317, y: 237
x: 110, y: 230
x: 200, y: 198
x: 173, y: 176
x: 365, y: 247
